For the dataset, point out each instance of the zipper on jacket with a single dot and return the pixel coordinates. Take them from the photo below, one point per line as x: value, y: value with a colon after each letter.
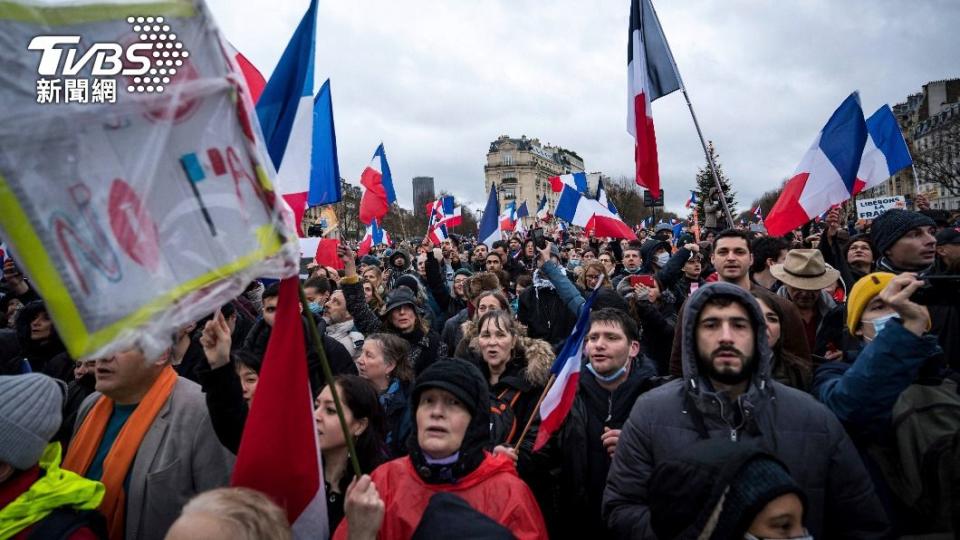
x: 609, y: 409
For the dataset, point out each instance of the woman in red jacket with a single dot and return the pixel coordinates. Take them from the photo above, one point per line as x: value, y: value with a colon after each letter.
x: 452, y: 428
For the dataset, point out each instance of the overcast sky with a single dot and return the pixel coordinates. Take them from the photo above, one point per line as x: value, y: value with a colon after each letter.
x: 438, y: 81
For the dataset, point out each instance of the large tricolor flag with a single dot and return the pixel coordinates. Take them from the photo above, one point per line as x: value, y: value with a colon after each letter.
x: 830, y: 172
x: 651, y: 74
x: 566, y: 369
x: 577, y: 209
x: 325, y: 166
x: 438, y: 233
x: 375, y: 236
x: 489, y: 229
x: 543, y: 213
x: 279, y: 454
x: 578, y: 181
x: 285, y: 111
x: 885, y: 152
x: 378, y: 194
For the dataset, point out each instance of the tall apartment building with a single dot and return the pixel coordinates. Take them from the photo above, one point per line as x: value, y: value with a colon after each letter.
x: 423, y: 193
x: 930, y: 123
x: 520, y: 169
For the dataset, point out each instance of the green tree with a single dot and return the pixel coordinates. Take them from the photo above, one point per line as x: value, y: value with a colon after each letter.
x: 706, y: 184
x: 628, y: 198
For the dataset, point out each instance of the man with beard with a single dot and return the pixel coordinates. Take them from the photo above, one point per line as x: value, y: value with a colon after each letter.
x: 727, y: 391
x: 804, y: 276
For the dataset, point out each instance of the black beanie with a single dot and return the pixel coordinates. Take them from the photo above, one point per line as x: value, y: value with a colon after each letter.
x: 685, y: 490
x: 893, y: 224
x: 459, y: 377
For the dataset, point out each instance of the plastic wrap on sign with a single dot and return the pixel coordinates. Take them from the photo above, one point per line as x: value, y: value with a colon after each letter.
x: 137, y: 212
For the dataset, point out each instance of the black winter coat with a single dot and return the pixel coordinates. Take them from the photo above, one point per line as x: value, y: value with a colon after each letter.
x: 546, y: 316
x: 574, y: 459
x: 788, y: 423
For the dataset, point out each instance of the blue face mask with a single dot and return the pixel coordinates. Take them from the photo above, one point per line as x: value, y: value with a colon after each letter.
x: 316, y: 308
x: 880, y: 323
x: 572, y: 264
x: 607, y: 378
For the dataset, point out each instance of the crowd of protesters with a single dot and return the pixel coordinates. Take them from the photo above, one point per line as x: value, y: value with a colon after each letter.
x: 734, y: 385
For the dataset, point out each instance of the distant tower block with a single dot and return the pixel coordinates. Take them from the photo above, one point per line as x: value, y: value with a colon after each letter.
x: 423, y: 194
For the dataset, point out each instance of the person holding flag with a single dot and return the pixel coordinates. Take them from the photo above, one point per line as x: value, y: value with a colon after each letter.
x: 615, y: 375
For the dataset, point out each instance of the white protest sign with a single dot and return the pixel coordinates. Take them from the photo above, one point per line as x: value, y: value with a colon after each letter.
x: 872, y: 208
x: 137, y: 211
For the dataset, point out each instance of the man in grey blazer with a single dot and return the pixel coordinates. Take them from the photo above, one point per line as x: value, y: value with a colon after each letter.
x: 147, y: 436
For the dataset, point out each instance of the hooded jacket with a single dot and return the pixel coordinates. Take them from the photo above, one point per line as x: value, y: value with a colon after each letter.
x: 784, y: 421
x: 545, y: 314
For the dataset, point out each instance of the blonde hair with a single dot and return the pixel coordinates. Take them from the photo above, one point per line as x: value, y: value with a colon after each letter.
x: 249, y: 514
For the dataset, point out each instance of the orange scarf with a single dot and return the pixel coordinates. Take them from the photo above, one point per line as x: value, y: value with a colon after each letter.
x: 124, y: 450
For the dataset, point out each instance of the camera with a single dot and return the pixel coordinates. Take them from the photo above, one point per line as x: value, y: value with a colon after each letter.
x: 938, y: 291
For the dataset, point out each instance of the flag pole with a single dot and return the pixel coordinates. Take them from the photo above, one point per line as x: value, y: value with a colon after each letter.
x: 696, y: 124
x: 328, y: 376
x: 536, y: 410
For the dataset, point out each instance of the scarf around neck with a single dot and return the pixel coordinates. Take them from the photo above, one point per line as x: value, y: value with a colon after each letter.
x: 124, y: 449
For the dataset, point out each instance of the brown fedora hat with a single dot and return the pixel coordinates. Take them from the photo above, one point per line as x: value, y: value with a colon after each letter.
x: 805, y: 269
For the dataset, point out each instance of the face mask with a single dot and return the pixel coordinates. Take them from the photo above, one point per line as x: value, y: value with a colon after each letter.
x: 607, y: 378
x: 663, y: 258
x: 880, y: 323
x: 316, y: 308
x: 806, y: 536
x: 573, y: 264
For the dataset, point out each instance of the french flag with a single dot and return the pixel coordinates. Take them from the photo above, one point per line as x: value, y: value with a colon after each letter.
x: 566, y: 372
x: 379, y: 193
x: 847, y: 156
x: 508, y: 219
x: 885, y: 152
x: 651, y: 74
x: 279, y: 453
x: 285, y: 111
x: 602, y: 199
x: 578, y: 181
x: 438, y: 233
x: 758, y: 212
x: 577, y: 209
x: 489, y: 228
x: 543, y: 213
x: 375, y: 236
x: 444, y: 210
x: 522, y: 212
x: 692, y: 200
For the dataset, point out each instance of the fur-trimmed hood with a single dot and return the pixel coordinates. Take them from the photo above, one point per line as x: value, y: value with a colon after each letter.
x: 537, y: 354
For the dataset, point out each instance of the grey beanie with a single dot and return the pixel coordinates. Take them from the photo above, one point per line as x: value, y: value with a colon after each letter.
x: 893, y: 224
x: 30, y: 415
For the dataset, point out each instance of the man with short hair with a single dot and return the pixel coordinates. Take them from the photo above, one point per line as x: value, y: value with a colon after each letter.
x: 804, y: 276
x: 632, y: 262
x: 578, y: 455
x: 493, y: 263
x: 479, y: 257
x: 767, y: 251
x: 340, y: 323
x: 727, y: 391
x: 146, y: 434
x: 732, y: 259
x: 948, y: 250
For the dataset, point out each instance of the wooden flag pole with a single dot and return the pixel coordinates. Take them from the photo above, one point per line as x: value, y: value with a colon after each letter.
x: 536, y: 411
x: 328, y: 376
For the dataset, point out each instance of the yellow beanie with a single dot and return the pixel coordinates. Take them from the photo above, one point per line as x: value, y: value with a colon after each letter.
x: 863, y: 291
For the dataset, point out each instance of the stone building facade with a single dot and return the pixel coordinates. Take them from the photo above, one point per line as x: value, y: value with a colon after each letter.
x: 930, y: 123
x: 520, y: 169
x: 423, y: 194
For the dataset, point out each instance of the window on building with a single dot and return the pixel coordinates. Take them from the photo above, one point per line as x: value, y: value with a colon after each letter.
x: 508, y: 189
x: 508, y: 158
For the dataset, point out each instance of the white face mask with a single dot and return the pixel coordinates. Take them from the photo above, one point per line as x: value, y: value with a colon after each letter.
x: 806, y: 536
x: 663, y: 258
x: 879, y: 324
